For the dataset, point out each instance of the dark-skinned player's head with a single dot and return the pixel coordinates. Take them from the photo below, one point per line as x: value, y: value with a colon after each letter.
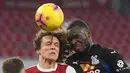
x: 79, y: 35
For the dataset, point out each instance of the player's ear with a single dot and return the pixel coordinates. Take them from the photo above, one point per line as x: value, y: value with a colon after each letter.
x: 88, y: 33
x: 38, y: 52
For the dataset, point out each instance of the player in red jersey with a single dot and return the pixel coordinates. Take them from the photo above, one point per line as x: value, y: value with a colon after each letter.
x: 47, y: 46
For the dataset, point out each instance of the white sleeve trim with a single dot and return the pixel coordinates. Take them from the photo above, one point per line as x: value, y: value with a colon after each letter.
x: 70, y: 69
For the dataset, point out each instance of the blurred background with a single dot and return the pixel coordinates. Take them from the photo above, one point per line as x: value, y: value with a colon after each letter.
x: 108, y: 20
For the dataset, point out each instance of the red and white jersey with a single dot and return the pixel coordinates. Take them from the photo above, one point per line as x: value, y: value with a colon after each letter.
x: 59, y: 68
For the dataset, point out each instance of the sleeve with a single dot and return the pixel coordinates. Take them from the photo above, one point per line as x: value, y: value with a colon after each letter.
x: 70, y: 69
x: 116, y: 62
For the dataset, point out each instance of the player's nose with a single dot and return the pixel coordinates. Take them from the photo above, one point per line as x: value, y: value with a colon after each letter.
x: 52, y: 47
x: 74, y: 41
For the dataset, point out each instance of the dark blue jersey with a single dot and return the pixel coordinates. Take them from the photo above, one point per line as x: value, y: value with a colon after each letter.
x: 99, y: 60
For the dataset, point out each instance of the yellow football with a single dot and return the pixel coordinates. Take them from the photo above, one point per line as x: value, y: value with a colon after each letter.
x: 49, y: 16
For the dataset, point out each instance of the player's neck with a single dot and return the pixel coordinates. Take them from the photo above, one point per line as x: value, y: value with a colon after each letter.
x: 46, y: 64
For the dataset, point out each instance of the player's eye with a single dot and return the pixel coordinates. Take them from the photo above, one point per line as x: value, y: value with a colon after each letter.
x: 56, y: 44
x: 72, y: 36
x: 48, y: 43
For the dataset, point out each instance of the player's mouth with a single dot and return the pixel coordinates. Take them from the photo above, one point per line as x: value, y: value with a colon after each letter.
x: 78, y: 46
x: 52, y: 53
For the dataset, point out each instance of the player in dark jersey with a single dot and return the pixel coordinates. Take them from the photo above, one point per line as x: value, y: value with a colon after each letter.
x: 92, y: 57
x: 47, y: 46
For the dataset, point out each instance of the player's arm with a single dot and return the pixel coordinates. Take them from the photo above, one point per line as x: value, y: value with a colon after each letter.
x: 116, y: 62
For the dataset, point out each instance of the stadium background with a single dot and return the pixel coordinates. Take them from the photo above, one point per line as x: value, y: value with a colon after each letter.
x: 109, y: 22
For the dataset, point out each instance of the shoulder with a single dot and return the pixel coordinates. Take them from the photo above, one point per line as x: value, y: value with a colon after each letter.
x: 110, y: 51
x: 102, y: 50
x: 31, y: 68
x: 107, y: 52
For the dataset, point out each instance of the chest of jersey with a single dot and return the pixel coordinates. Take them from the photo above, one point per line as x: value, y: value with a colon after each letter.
x: 94, y: 64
